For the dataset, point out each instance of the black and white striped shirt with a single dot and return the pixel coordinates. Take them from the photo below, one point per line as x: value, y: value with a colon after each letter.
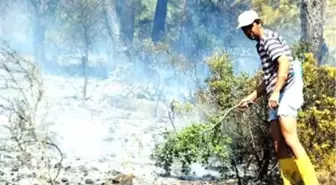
x: 270, y: 47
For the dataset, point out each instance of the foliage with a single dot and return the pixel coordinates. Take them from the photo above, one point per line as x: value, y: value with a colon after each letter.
x: 190, y: 146
x: 317, y: 118
x: 83, y: 22
x: 282, y: 13
x: 247, y: 129
x: 299, y: 49
x: 181, y: 108
x: 225, y: 88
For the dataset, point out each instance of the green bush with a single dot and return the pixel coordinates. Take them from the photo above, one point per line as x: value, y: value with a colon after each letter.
x: 189, y: 146
x: 316, y: 124
x: 317, y: 118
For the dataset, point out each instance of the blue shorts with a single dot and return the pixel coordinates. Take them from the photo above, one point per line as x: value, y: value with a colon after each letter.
x: 291, y: 99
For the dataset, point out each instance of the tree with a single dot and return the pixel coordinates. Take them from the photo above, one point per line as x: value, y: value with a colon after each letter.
x: 277, y: 14
x: 83, y: 28
x: 312, y: 21
x: 159, y: 20
x: 112, y: 22
x: 126, y: 12
x: 41, y: 10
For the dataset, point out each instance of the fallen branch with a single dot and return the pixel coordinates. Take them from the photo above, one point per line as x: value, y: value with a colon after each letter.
x: 218, y: 123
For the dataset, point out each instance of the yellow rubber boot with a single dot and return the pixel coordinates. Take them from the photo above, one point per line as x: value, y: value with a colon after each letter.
x: 307, y: 171
x: 289, y: 171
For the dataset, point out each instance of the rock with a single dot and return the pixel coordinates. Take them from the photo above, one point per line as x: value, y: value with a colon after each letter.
x: 113, y: 172
x: 113, y: 155
x: 67, y: 168
x: 124, y: 179
x: 88, y: 181
x: 95, y: 168
x: 30, y: 176
x: 2, y: 173
x: 64, y: 180
x: 85, y: 173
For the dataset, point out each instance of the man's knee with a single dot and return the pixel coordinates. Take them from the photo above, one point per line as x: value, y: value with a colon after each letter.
x: 292, y: 141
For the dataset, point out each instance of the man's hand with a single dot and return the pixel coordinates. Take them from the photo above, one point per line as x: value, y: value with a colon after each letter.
x: 244, y: 103
x: 261, y: 90
x: 273, y: 101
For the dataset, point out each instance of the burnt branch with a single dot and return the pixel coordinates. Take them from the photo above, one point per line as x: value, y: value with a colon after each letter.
x: 21, y: 91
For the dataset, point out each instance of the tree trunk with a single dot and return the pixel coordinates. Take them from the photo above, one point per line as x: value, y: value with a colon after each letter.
x: 113, y: 27
x: 39, y: 29
x: 126, y: 13
x: 159, y: 20
x: 85, y: 61
x: 184, y: 28
x: 112, y: 21
x: 39, y: 35
x: 311, y: 15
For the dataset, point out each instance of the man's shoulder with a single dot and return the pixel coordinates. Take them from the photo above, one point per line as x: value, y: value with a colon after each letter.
x: 271, y: 34
x: 273, y: 37
x: 267, y: 36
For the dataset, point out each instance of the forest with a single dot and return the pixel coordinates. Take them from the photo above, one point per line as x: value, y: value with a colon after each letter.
x: 122, y: 91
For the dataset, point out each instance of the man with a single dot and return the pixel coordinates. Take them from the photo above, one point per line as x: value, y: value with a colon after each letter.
x: 283, y: 85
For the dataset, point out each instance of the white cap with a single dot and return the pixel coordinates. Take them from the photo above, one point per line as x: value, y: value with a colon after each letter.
x: 246, y: 18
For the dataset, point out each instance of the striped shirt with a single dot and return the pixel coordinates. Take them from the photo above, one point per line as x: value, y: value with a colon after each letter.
x: 270, y: 47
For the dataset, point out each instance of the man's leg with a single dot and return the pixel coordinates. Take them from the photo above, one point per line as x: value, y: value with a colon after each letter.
x: 278, y: 141
x: 287, y: 165
x: 288, y: 125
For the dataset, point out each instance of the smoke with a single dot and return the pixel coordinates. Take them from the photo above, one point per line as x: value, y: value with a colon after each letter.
x: 63, y: 58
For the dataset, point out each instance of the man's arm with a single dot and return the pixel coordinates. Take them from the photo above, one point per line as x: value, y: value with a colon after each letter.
x: 282, y: 73
x: 261, y: 90
x: 277, y: 53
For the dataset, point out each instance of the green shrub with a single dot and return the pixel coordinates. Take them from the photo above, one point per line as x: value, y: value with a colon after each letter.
x: 317, y: 118
x: 190, y: 146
